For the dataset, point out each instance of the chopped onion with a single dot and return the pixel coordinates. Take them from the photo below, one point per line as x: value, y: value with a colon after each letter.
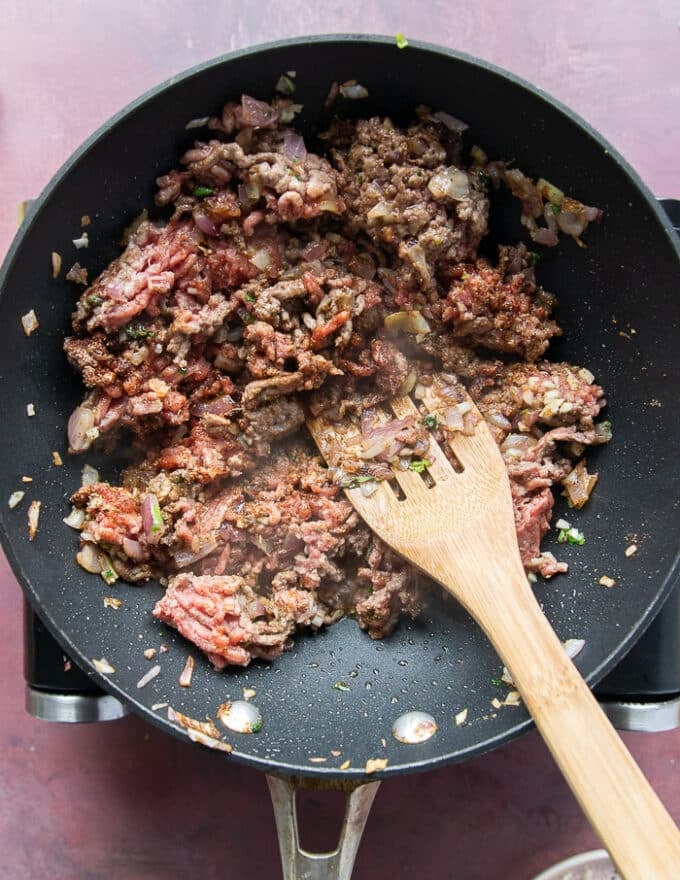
x: 29, y: 322
x: 554, y: 195
x: 368, y: 489
x: 133, y: 549
x: 452, y: 419
x: 450, y: 122
x: 353, y: 90
x: 572, y: 222
x: 294, y: 146
x: 30, y: 409
x: 573, y: 647
x: 111, y: 602
x: 262, y: 258
x: 15, y: 498
x: 206, y: 727
x: 204, y: 223
x: 149, y: 676
x: 407, y: 322
x: 33, y: 517
x: 79, y: 424
x: 187, y: 673
x: 381, y: 211
x: 545, y: 237
x: 499, y: 420
x: 578, y: 484
x: 76, y: 518
x: 81, y: 242
x: 90, y: 476
x: 103, y: 666
x: 408, y: 384
x: 200, y: 122
x: 256, y: 113
x: 152, y: 518
x: 88, y: 558
x: 451, y: 183
x: 56, y: 264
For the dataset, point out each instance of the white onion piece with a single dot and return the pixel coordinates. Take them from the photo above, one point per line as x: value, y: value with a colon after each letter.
x: 407, y: 322
x: 240, y: 716
x: 187, y: 673
x: 149, y: 676
x: 353, y: 90
x: 29, y: 322
x: 451, y: 183
x: 197, y: 123
x: 368, y: 489
x: 90, y: 476
x: 79, y: 425
x: 573, y: 647
x: 545, y: 237
x: 262, y: 259
x: 81, y: 242
x: 89, y: 559
x: 499, y: 420
x: 133, y: 549
x: 75, y: 519
x: 452, y: 419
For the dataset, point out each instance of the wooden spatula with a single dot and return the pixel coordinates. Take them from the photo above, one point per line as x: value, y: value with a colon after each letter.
x: 461, y: 532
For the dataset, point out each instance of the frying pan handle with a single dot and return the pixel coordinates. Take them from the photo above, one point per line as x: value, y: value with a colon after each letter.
x: 298, y: 864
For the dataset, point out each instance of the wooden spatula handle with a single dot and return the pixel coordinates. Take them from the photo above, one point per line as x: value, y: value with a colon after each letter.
x: 626, y: 813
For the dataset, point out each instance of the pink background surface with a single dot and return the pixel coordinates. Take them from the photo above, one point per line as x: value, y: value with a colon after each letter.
x: 122, y: 800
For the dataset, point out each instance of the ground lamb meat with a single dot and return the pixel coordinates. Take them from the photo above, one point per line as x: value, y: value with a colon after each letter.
x: 289, y: 283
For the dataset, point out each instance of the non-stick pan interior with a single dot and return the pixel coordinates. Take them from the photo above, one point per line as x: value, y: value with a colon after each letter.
x: 334, y: 697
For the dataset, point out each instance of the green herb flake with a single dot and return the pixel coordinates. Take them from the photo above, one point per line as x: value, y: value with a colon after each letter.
x: 464, y: 276
x: 484, y: 180
x: 571, y: 536
x: 285, y: 85
x: 419, y: 464
x: 533, y: 258
x: 401, y: 41
x: 93, y: 299
x: 203, y: 191
x: 109, y: 575
x: 360, y: 177
x: 340, y: 686
x: 496, y: 682
x: 247, y: 318
x: 249, y: 297
x: 431, y: 421
x: 182, y: 371
x: 555, y: 208
x: 136, y: 330
x: 256, y: 726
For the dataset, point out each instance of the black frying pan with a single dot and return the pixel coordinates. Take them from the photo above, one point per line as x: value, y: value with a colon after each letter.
x: 618, y: 307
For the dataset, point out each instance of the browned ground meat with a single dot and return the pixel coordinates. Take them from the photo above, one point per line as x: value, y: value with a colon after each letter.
x: 263, y: 298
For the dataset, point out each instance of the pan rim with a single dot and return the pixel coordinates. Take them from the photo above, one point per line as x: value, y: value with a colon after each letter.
x: 280, y: 766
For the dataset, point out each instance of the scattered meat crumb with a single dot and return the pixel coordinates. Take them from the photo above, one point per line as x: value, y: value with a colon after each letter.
x: 336, y: 753
x: 513, y: 698
x: 56, y: 264
x: 56, y: 458
x: 30, y: 409
x: 103, y: 666
x: 631, y: 550
x: 111, y: 602
x: 249, y: 693
x: 344, y: 765
x: 85, y: 220
x: 77, y: 273
x: 27, y: 479
x: 496, y: 703
x: 316, y: 759
x: 150, y: 653
x: 67, y: 665
x: 461, y: 717
x: 606, y: 581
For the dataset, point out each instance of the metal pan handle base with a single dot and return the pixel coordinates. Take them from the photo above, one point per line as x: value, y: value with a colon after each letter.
x: 298, y: 864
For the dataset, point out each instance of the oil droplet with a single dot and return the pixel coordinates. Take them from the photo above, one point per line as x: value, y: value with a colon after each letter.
x: 414, y: 727
x: 352, y: 673
x: 403, y: 663
x: 368, y: 685
x: 240, y: 716
x: 376, y: 672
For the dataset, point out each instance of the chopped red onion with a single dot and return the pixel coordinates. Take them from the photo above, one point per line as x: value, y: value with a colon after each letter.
x: 258, y: 114
x: 573, y: 647
x: 133, y: 549
x: 294, y: 146
x: 183, y: 558
x: 545, y: 237
x: 152, y: 520
x: 204, y: 223
x: 187, y: 673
